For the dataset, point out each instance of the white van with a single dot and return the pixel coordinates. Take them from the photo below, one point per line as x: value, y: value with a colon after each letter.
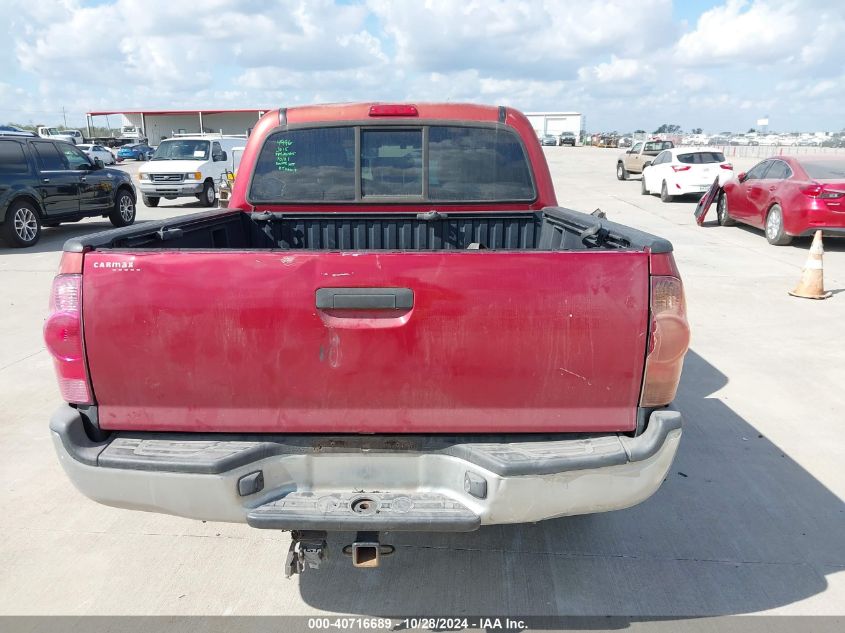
x: 188, y: 166
x: 130, y: 131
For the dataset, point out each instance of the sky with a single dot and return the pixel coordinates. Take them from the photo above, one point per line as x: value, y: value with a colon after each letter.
x: 625, y: 65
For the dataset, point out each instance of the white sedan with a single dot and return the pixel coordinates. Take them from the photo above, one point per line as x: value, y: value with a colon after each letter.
x: 98, y: 151
x: 684, y: 170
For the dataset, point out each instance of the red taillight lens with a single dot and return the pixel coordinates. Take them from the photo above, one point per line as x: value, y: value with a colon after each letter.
x: 820, y: 191
x: 393, y: 110
x: 680, y: 167
x: 668, y: 342
x: 726, y: 166
x: 63, y: 337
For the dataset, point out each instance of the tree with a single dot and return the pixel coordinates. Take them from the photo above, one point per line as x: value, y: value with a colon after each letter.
x: 697, y: 130
x: 751, y: 130
x: 668, y: 128
x: 639, y: 131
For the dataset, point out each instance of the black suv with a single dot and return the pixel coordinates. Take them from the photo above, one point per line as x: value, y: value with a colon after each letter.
x: 45, y: 183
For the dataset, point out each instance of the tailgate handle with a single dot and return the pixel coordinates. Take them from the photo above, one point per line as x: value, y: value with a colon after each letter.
x: 365, y: 298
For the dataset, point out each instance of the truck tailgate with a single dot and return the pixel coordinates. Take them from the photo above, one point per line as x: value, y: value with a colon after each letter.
x: 479, y: 341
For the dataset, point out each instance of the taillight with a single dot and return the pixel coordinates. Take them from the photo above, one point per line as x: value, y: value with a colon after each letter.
x: 680, y: 167
x: 726, y: 166
x: 819, y: 191
x: 63, y: 337
x: 386, y: 109
x: 668, y: 342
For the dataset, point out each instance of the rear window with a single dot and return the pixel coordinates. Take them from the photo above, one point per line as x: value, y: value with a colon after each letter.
x: 459, y: 164
x: 658, y: 146
x: 701, y: 158
x: 467, y: 164
x: 391, y: 163
x: 825, y: 169
x: 306, y: 166
x: 12, y: 158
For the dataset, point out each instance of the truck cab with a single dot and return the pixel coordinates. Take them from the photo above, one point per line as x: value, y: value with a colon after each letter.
x: 57, y: 135
x: 131, y: 132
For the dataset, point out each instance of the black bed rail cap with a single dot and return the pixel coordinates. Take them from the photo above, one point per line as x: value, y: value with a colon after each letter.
x: 104, y: 239
x: 636, y: 239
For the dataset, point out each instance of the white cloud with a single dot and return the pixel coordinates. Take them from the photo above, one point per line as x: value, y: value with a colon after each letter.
x: 617, y: 70
x: 624, y: 63
x: 763, y: 32
x: 513, y: 39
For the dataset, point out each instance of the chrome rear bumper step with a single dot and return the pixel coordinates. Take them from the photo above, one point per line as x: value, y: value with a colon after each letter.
x: 371, y: 511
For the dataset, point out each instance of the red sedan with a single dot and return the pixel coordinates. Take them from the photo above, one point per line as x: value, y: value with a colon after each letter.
x: 788, y: 197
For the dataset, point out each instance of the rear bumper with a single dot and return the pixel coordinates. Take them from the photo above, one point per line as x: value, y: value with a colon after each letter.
x: 827, y: 231
x: 814, y: 215
x: 417, y: 483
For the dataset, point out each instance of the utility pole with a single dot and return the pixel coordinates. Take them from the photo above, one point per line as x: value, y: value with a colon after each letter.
x: 64, y: 116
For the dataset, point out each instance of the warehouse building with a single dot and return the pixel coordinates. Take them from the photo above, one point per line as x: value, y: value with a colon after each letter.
x: 555, y: 122
x: 158, y: 124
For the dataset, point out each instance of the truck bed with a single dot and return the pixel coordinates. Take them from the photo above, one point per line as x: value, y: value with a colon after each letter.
x: 553, y: 228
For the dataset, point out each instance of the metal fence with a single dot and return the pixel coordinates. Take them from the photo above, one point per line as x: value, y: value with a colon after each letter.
x: 765, y: 151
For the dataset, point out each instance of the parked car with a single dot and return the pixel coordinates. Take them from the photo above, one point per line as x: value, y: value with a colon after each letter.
x: 625, y: 141
x: 349, y: 368
x: 567, y: 138
x: 14, y: 130
x: 45, y: 183
x: 136, y: 152
x: 787, y: 196
x: 98, y: 151
x: 834, y: 142
x: 639, y: 157
x: 548, y: 139
x: 684, y: 170
x: 189, y: 166
x: 608, y: 140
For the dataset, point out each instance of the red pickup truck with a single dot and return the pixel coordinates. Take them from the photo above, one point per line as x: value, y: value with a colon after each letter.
x: 393, y: 327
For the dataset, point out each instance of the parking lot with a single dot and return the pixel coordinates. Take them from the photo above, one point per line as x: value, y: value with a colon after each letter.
x: 750, y: 519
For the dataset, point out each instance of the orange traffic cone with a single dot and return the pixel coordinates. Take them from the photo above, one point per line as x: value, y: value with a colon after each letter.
x: 811, y: 285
